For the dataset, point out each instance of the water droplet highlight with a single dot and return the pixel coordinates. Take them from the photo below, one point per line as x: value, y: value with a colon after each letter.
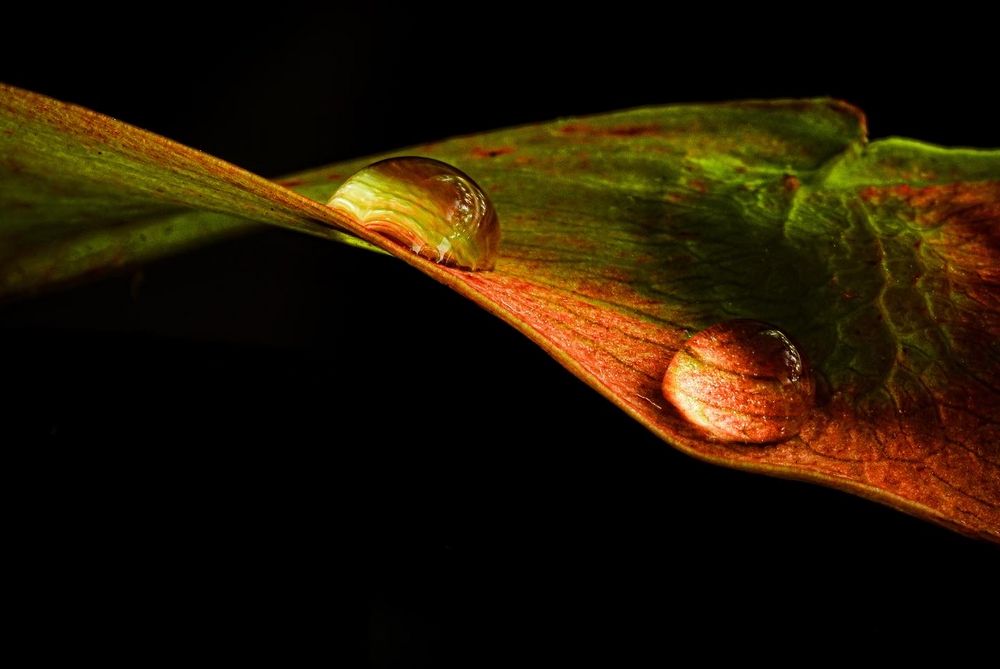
x: 428, y: 206
x: 742, y: 381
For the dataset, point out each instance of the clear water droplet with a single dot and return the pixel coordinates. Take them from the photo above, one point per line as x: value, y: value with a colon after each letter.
x: 428, y: 206
x: 742, y: 381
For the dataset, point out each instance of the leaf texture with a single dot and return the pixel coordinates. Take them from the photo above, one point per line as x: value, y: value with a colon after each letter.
x: 623, y: 234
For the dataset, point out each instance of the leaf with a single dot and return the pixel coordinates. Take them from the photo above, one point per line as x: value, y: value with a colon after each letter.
x: 82, y: 193
x: 623, y: 234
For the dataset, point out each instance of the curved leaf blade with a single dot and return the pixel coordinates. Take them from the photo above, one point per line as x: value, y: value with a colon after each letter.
x: 624, y: 233
x: 81, y: 193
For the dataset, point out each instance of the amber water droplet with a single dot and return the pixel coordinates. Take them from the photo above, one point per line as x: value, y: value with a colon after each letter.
x: 430, y: 207
x: 743, y: 381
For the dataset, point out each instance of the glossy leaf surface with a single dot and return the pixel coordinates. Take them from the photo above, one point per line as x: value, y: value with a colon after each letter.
x: 623, y: 234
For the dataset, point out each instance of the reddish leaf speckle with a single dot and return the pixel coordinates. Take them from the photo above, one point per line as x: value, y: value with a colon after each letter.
x: 630, y: 130
x: 480, y: 152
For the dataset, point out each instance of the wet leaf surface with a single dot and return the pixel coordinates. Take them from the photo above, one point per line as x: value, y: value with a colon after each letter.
x: 624, y: 234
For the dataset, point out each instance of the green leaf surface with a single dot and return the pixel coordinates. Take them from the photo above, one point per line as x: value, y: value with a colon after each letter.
x: 622, y: 235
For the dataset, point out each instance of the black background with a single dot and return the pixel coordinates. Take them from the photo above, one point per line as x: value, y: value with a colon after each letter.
x: 190, y: 483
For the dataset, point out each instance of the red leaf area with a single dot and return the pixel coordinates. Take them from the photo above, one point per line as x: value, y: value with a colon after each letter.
x: 934, y: 449
x: 924, y: 438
